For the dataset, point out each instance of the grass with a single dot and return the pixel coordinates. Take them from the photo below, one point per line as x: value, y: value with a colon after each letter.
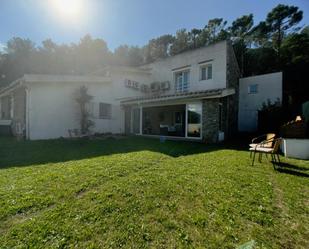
x: 140, y: 193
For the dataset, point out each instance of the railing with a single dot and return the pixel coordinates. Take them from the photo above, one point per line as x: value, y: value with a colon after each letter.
x: 183, y: 87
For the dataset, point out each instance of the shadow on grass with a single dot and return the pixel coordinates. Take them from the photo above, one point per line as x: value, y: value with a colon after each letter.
x: 24, y: 153
x: 291, y: 169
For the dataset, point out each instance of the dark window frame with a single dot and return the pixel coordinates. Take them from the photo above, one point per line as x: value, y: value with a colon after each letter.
x: 105, y: 110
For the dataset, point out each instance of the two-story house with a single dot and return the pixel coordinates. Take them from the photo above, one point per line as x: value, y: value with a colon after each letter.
x: 192, y: 95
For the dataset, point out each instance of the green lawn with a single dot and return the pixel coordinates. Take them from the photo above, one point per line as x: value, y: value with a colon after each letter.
x: 140, y: 193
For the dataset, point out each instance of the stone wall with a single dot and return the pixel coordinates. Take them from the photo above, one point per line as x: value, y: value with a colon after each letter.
x: 232, y: 81
x: 211, y: 118
x: 232, y: 68
x: 224, y: 115
x: 210, y: 122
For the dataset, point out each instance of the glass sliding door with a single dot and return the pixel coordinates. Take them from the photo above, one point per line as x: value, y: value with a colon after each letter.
x: 194, y: 120
x: 136, y: 120
x: 164, y: 120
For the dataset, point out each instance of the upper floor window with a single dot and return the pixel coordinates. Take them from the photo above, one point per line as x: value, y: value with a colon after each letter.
x: 105, y: 111
x: 182, y: 81
x: 253, y: 88
x: 206, y: 72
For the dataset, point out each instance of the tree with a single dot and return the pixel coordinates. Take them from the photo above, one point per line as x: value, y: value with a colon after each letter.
x: 135, y: 56
x: 19, y: 46
x: 260, y: 60
x: 48, y: 46
x: 91, y: 54
x: 83, y: 99
x: 295, y: 64
x: 44, y: 58
x: 241, y: 29
x: 295, y: 49
x: 128, y: 56
x: 158, y: 47
x: 240, y: 32
x: 214, y: 31
x: 3, y: 67
x: 260, y: 35
x: 121, y: 55
x: 181, y: 42
x: 305, y: 30
x: 280, y: 21
x: 194, y: 41
x: 19, y: 59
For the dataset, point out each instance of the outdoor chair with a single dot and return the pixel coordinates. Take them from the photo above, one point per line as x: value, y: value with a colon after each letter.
x: 266, y: 137
x: 263, y: 148
x: 269, y: 137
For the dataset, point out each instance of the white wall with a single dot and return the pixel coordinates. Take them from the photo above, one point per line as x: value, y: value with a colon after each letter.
x: 53, y: 110
x: 162, y: 69
x: 121, y: 91
x: 269, y: 87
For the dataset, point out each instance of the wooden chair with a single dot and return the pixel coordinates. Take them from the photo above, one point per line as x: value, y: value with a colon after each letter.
x: 262, y: 149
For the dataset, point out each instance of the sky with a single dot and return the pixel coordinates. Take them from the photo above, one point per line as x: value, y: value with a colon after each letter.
x: 132, y: 22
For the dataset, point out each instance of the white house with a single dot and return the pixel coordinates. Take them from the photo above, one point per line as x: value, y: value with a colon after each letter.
x: 192, y: 95
x: 253, y: 92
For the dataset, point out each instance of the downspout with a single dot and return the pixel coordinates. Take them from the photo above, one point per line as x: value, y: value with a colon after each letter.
x: 27, y: 91
x: 12, y: 99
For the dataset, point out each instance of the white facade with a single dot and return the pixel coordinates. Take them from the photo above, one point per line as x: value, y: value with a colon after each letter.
x: 253, y: 92
x: 192, y: 61
x: 51, y: 111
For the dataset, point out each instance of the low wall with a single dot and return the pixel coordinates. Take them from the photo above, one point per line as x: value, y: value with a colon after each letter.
x: 296, y: 148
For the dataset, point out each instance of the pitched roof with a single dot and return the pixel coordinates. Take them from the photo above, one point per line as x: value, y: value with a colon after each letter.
x: 47, y: 78
x: 125, y: 69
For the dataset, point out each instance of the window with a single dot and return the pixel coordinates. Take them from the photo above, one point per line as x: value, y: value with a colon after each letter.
x: 252, y: 89
x: 206, y: 72
x: 105, y: 111
x: 182, y: 81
